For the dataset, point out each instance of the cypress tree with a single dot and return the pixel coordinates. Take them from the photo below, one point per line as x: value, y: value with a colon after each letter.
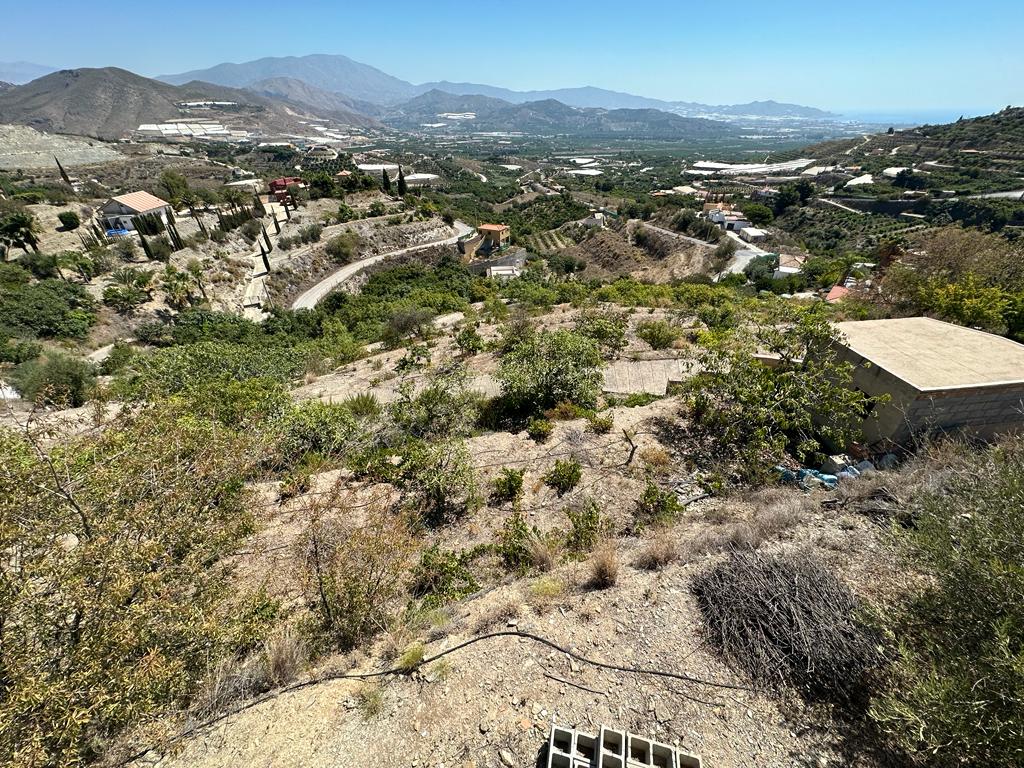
x: 385, y: 182
x: 402, y: 186
x: 145, y: 246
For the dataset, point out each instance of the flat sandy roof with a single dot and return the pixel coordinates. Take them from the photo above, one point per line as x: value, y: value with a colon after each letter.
x: 933, y: 355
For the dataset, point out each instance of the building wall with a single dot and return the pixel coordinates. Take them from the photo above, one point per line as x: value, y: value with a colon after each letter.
x: 117, y: 216
x: 983, y: 411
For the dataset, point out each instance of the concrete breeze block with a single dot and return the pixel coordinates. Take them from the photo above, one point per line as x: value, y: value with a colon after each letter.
x: 612, y: 748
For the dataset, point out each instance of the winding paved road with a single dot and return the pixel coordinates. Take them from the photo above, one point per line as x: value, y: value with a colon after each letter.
x: 315, y: 295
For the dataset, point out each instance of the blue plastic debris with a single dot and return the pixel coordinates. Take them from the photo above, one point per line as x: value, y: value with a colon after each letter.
x: 807, y: 478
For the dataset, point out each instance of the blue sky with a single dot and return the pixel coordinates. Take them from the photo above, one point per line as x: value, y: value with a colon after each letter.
x: 898, y: 55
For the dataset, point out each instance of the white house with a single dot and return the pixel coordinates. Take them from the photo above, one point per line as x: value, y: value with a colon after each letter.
x: 753, y: 234
x: 727, y: 220
x: 120, y: 212
x: 596, y: 220
x: 788, y: 265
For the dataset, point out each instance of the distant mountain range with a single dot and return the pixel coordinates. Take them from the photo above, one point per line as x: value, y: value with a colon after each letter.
x: 106, y: 103
x: 18, y: 72
x: 455, y: 113
x: 281, y: 94
x: 361, y: 82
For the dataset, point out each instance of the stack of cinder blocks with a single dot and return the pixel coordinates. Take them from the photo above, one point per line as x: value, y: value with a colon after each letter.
x: 569, y: 748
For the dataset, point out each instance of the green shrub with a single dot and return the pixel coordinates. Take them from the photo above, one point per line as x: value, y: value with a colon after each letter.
x: 55, y: 379
x: 746, y: 416
x: 443, y: 409
x: 121, y: 356
x: 550, y: 367
x: 469, y: 341
x: 607, y: 328
x: 440, y: 480
x: 41, y: 265
x: 566, y: 411
x: 343, y: 247
x: 316, y: 427
x: 69, y: 219
x: 959, y: 674
x: 160, y: 248
x: 17, y: 351
x: 443, y: 576
x: 507, y: 486
x: 564, y: 475
x: 602, y: 425
x: 515, y: 542
x: 310, y: 233
x: 656, y: 507
x: 363, y: 405
x: 126, y: 621
x: 658, y: 333
x: 587, y: 526
x: 539, y: 430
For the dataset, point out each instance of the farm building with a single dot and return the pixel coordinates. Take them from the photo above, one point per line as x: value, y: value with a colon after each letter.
x: 119, y: 213
x: 753, y: 234
x: 938, y: 376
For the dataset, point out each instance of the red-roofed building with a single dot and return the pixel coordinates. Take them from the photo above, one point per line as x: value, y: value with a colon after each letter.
x: 836, y: 294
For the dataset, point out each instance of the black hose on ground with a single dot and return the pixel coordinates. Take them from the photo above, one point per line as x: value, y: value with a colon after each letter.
x: 328, y: 676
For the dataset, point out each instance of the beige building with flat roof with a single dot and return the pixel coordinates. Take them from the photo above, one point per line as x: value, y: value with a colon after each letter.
x: 939, y: 376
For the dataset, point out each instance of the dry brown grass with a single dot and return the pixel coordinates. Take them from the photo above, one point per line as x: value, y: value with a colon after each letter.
x: 543, y: 553
x: 656, y: 459
x: 285, y: 654
x: 604, y: 567
x: 545, y: 592
x: 496, y: 616
x: 661, y: 550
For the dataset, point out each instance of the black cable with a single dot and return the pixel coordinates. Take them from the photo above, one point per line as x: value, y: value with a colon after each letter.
x: 430, y: 659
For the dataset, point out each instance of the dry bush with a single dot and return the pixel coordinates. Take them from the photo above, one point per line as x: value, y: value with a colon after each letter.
x: 604, y: 567
x: 370, y: 700
x: 230, y: 681
x: 659, y: 552
x: 770, y: 523
x: 355, y: 575
x: 495, y: 616
x: 543, y: 553
x: 786, y: 620
x: 656, y: 459
x: 285, y: 656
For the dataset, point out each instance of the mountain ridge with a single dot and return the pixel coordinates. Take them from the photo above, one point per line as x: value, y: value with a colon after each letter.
x: 107, y: 102
x: 339, y: 73
x: 548, y: 116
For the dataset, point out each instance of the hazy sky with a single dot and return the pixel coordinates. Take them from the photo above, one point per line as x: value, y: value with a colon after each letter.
x: 892, y: 55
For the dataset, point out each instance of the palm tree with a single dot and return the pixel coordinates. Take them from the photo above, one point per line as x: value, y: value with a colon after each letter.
x: 20, y: 229
x: 195, y: 271
x: 81, y: 263
x: 129, y: 277
x: 177, y: 286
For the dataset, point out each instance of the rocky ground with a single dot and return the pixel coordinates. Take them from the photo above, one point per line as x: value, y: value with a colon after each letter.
x: 22, y: 147
x: 491, y: 704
